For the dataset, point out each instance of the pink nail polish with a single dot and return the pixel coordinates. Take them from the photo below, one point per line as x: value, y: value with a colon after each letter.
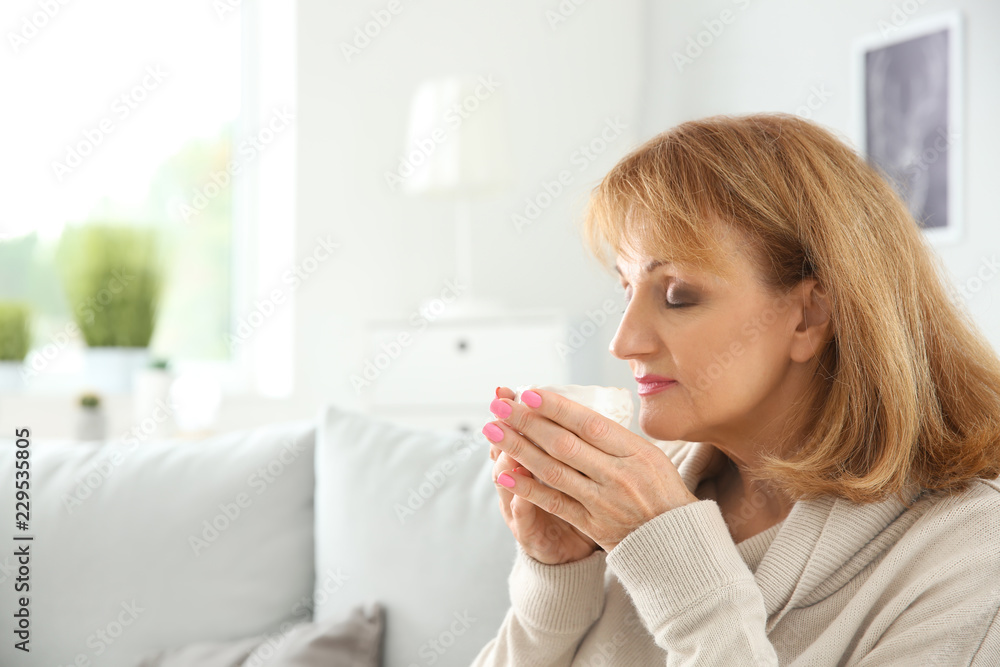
x: 531, y: 399
x: 500, y: 409
x: 493, y: 432
x: 505, y: 480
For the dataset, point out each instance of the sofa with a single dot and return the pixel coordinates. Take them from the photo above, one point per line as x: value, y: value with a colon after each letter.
x: 343, y: 540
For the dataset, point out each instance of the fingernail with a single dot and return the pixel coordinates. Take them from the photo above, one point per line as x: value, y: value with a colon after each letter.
x: 505, y: 480
x: 493, y: 432
x: 531, y: 399
x: 498, y: 392
x: 500, y: 409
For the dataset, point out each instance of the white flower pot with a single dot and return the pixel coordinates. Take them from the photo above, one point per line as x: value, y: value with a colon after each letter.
x: 112, y: 369
x: 90, y: 423
x: 152, y: 410
x: 10, y: 376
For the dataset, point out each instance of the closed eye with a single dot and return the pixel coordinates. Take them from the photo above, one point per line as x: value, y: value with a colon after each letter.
x: 669, y: 305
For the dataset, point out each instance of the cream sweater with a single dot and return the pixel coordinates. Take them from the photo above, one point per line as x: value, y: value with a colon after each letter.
x: 835, y: 583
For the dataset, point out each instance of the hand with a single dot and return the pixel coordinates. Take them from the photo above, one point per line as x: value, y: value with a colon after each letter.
x: 599, y: 477
x: 495, y: 452
x: 546, y: 538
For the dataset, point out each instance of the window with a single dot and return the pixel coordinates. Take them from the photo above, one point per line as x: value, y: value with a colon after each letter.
x: 135, y: 113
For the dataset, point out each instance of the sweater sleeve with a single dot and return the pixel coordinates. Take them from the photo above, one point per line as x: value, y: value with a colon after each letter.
x: 692, y: 589
x: 552, y: 608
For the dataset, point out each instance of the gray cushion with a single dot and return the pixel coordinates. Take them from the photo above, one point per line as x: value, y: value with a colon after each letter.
x: 351, y: 642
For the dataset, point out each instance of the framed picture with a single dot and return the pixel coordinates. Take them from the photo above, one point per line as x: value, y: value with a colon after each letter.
x: 909, y: 115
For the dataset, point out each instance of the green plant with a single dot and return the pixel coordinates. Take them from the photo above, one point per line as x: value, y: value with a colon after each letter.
x: 113, y: 279
x: 90, y: 399
x: 15, y: 330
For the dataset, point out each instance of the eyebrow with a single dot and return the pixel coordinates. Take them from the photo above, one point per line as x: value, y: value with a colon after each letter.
x: 648, y: 268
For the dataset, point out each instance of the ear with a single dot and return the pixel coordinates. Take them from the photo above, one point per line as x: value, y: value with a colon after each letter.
x: 815, y: 326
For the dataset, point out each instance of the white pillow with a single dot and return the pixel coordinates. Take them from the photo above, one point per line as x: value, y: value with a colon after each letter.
x: 411, y: 518
x: 116, y: 550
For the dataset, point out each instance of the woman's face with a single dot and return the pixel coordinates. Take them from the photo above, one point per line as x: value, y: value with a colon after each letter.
x: 728, y: 344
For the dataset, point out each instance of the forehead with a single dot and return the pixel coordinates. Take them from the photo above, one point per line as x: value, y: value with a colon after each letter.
x: 716, y: 252
x: 644, y: 266
x: 648, y: 267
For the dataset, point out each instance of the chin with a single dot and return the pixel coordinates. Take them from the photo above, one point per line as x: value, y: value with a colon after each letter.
x: 658, y: 427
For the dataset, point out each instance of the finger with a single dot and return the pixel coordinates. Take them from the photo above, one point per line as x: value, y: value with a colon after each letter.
x: 501, y: 392
x: 524, y: 518
x: 524, y: 515
x: 559, y: 443
x: 550, y: 500
x: 545, y: 469
x: 504, y: 464
x: 589, y: 426
x: 495, y: 453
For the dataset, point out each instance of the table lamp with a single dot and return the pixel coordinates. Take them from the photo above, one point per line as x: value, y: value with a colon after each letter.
x: 457, y: 147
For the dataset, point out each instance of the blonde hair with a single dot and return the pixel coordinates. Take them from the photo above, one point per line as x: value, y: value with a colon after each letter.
x: 908, y: 391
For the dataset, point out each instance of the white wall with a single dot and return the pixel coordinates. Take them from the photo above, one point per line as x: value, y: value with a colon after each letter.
x: 561, y: 84
x: 773, y: 55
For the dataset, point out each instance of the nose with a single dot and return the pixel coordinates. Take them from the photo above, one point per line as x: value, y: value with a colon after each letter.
x: 636, y: 335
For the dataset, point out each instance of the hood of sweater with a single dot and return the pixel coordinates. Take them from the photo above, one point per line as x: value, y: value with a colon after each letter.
x: 819, y: 546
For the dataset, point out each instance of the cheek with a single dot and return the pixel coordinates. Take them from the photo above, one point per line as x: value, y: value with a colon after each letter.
x: 761, y: 363
x: 711, y: 358
x: 731, y: 362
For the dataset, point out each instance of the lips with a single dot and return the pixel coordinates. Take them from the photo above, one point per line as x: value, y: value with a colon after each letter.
x: 651, y: 379
x: 651, y: 384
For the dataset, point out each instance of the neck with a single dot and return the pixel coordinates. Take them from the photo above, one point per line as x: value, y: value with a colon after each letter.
x: 750, y: 496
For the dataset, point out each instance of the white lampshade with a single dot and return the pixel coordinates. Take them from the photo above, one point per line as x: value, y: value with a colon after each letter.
x: 457, y: 142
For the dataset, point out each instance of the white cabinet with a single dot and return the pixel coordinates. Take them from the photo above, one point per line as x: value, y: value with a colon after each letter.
x: 443, y: 375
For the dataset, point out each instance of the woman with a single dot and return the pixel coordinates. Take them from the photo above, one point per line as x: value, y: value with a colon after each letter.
x: 821, y: 485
